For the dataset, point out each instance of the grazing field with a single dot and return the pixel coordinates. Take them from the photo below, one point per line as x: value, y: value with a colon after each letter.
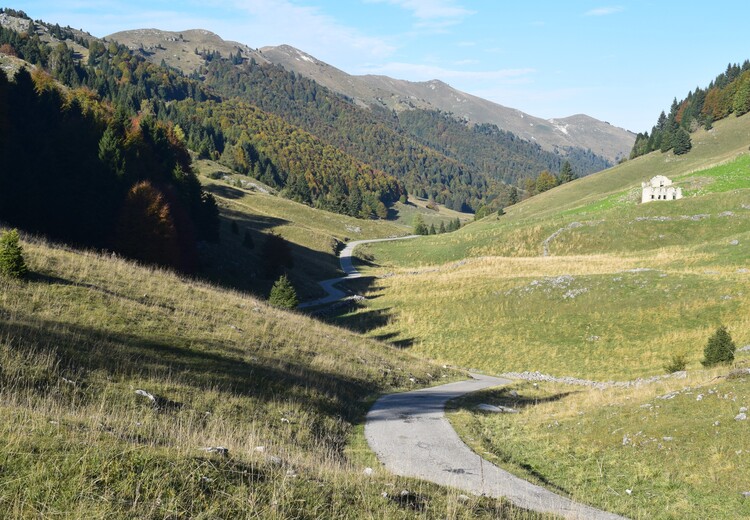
x: 279, y: 397
x: 713, y: 175
x: 605, y: 288
x: 598, y: 316
x: 314, y: 235
x: 670, y: 450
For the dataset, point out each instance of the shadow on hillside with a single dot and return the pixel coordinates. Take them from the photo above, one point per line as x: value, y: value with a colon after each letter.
x: 389, y: 337
x: 56, y: 280
x: 227, y: 192
x: 364, y: 320
x: 503, y: 397
x: 358, y: 317
x: 235, y: 264
x: 252, y: 222
x: 203, y: 364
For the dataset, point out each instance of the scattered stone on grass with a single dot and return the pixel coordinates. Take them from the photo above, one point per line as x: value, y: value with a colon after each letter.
x: 221, y: 450
x: 495, y: 409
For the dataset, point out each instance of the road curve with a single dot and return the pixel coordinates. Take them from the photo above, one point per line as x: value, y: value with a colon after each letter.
x: 412, y: 437
x: 345, y: 260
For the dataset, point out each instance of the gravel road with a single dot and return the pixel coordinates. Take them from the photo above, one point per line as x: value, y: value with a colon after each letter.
x: 334, y: 294
x: 411, y: 437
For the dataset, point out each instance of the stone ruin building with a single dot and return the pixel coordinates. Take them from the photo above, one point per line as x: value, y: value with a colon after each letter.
x: 660, y: 188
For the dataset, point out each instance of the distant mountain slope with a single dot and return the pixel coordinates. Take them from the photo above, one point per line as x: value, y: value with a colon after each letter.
x: 578, y: 131
x: 178, y: 49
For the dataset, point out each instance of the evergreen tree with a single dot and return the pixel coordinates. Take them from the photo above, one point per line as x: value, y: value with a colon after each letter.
x: 441, y: 229
x: 719, y: 349
x: 513, y: 195
x: 432, y: 229
x: 419, y: 225
x: 566, y: 173
x: 283, y: 294
x: 681, y: 142
x: 110, y: 151
x: 12, y: 263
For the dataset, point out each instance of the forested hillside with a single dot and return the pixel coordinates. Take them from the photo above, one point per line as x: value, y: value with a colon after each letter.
x: 72, y: 169
x: 728, y: 94
x: 113, y: 74
x: 313, y: 145
x: 368, y: 136
x: 486, y: 148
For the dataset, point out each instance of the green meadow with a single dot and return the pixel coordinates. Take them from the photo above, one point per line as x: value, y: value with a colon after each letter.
x: 582, y: 280
x: 279, y: 397
x: 671, y: 450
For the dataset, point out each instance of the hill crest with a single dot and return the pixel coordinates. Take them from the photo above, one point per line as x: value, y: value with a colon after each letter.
x: 181, y: 50
x: 369, y: 90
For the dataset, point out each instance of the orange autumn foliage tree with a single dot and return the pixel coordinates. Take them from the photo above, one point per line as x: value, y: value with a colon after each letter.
x: 146, y: 229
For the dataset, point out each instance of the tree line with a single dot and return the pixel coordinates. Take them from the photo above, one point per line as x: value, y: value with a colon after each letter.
x: 728, y: 93
x: 97, y: 177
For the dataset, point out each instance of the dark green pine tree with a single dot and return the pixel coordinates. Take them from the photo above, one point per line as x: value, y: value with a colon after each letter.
x: 681, y: 142
x: 566, y: 173
x: 719, y: 349
x: 441, y: 229
x: 283, y: 294
x: 513, y: 195
x: 110, y: 150
x: 12, y: 263
x: 432, y: 231
x: 419, y: 225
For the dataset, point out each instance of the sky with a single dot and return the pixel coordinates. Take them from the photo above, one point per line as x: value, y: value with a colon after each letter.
x: 622, y: 61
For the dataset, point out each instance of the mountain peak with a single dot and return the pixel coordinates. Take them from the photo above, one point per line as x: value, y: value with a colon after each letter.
x: 179, y: 49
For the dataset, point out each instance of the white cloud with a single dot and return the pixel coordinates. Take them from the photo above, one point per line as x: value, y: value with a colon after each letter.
x: 604, y: 11
x: 272, y: 22
x: 429, y: 9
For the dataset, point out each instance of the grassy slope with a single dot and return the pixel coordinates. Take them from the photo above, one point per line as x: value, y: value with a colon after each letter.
x: 619, y: 294
x: 683, y: 457
x: 85, y: 332
x: 405, y: 213
x: 525, y: 226
x: 313, y: 235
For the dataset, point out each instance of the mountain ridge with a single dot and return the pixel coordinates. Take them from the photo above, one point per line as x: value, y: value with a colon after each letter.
x: 600, y: 137
x: 371, y: 90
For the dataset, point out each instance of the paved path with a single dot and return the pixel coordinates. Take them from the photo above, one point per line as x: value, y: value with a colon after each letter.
x: 411, y: 437
x: 345, y: 260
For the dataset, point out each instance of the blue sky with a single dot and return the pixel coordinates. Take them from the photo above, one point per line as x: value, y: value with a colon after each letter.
x: 621, y: 62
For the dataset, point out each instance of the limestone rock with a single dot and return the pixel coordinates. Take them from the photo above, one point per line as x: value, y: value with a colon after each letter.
x: 495, y: 409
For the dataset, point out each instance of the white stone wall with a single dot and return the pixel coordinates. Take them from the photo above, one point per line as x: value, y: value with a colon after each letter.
x: 660, y: 188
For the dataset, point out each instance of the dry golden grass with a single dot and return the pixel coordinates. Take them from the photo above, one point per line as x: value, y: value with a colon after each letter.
x: 85, y: 331
x: 666, y: 450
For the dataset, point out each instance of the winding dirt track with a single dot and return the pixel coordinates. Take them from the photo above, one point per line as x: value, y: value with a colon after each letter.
x: 334, y: 294
x: 412, y: 437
